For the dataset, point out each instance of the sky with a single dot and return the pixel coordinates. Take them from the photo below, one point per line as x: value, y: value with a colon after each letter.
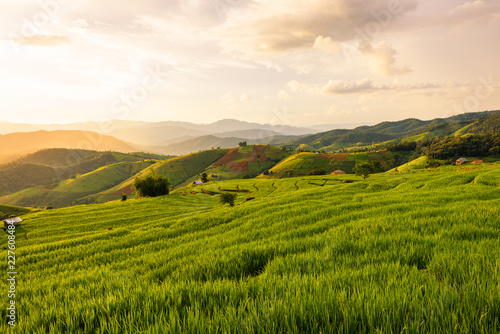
x: 293, y: 62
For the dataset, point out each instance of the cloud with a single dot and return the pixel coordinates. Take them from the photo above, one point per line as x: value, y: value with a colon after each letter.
x: 42, y: 40
x: 245, y: 98
x: 471, y: 12
x: 333, y: 111
x: 295, y: 86
x: 326, y: 44
x: 337, y: 87
x: 270, y: 30
x: 361, y: 87
x: 382, y: 59
x: 227, y: 99
x: 284, y: 95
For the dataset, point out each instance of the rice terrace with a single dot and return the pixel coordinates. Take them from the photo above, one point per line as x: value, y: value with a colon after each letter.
x: 250, y: 167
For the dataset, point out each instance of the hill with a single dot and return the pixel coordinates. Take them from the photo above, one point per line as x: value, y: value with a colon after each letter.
x: 35, y: 180
x: 15, y: 145
x: 246, y: 162
x: 75, y: 190
x: 302, y: 163
x: 392, y: 132
x: 48, y: 167
x: 219, y: 164
x: 178, y: 170
x: 412, y: 252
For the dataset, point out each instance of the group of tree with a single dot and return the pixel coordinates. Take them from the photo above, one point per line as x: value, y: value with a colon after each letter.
x: 453, y: 147
x: 152, y: 185
x: 317, y: 171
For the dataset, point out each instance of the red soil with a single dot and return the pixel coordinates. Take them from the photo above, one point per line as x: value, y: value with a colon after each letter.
x: 227, y: 158
x: 238, y: 167
x: 128, y: 190
x: 259, y: 150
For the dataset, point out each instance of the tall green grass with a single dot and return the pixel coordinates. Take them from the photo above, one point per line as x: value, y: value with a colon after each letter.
x: 397, y: 253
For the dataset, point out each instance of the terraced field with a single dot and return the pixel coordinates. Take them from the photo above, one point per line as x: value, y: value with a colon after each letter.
x: 413, y: 252
x: 301, y: 164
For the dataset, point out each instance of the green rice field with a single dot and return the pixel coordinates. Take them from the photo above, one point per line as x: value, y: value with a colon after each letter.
x: 416, y: 251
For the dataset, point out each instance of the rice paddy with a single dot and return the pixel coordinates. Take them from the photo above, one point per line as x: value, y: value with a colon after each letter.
x: 412, y: 252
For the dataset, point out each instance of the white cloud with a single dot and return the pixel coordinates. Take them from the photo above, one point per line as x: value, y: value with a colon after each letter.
x: 338, y: 87
x: 382, y: 59
x: 273, y: 32
x: 284, y: 95
x: 326, y: 44
x: 227, y: 99
x: 245, y: 97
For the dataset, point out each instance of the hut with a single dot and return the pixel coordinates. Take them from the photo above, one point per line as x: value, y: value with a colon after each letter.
x: 338, y: 172
x: 198, y: 182
x: 12, y: 221
x: 461, y: 161
x: 477, y: 162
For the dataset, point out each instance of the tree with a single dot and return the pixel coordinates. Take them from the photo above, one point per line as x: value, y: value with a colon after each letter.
x: 377, y: 166
x: 124, y: 197
x: 317, y: 171
x: 363, y: 169
x: 227, y: 198
x: 204, y: 178
x: 243, y: 144
x: 152, y: 185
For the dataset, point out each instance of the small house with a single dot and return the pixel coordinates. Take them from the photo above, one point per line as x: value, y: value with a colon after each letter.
x: 461, y: 161
x: 477, y: 162
x: 12, y: 221
x: 338, y: 172
x: 198, y: 182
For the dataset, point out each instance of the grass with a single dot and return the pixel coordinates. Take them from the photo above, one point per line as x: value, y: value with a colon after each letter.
x: 301, y: 164
x: 15, y: 210
x: 402, y: 253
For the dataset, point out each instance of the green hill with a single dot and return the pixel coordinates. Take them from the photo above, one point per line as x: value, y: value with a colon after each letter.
x: 390, y: 132
x: 45, y: 170
x: 178, y: 170
x: 77, y: 189
x: 303, y: 163
x: 246, y: 162
x: 394, y: 254
x: 14, y: 210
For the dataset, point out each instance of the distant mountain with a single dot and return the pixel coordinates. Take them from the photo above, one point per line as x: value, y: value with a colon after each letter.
x: 328, y: 127
x: 15, y: 145
x: 258, y: 134
x: 100, y: 127
x: 164, y: 133
x: 198, y: 144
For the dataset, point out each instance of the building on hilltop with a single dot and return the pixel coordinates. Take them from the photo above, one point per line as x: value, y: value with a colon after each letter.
x: 461, y: 161
x: 477, y: 162
x: 338, y: 172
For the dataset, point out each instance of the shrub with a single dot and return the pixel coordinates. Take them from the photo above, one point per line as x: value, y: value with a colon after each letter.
x: 317, y: 171
x: 49, y: 207
x: 124, y: 197
x: 228, y: 198
x: 152, y: 185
